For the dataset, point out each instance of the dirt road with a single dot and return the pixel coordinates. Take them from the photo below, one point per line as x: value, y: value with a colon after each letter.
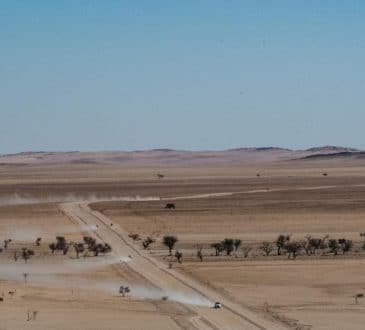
x: 231, y: 317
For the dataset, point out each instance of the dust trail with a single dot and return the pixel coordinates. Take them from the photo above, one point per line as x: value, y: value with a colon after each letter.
x: 17, y: 199
x: 68, y: 274
x: 184, y: 298
x: 31, y: 234
x: 16, y: 270
x: 54, y: 280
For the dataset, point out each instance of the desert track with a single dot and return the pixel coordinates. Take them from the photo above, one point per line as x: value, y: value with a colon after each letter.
x: 233, y: 316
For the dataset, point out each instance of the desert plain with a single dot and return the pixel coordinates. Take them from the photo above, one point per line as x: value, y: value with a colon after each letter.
x: 249, y: 196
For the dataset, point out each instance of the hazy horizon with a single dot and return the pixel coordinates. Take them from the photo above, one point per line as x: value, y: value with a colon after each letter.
x: 188, y: 150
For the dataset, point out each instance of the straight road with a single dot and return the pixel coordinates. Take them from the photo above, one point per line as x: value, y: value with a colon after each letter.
x: 232, y: 316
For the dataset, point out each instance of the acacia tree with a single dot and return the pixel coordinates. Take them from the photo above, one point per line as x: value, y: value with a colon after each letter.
x: 280, y: 242
x: 228, y: 245
x: 345, y: 244
x: 313, y: 244
x: 293, y: 248
x: 60, y: 244
x: 237, y: 243
x: 170, y: 241
x: 218, y: 248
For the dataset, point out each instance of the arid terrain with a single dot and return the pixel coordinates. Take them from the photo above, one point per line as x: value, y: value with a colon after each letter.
x: 248, y: 195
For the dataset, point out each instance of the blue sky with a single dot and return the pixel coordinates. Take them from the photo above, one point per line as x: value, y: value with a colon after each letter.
x: 107, y: 75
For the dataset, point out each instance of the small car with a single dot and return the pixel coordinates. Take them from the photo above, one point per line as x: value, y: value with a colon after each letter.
x: 217, y: 305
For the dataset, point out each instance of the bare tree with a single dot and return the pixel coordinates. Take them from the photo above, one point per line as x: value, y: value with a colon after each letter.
x: 266, y: 247
x: 169, y: 241
x: 147, y: 242
x: 246, y: 250
x: 6, y: 243
x: 199, y: 252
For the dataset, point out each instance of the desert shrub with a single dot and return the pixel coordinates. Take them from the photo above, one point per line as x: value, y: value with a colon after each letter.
x: 147, y: 242
x: 266, y: 247
x: 178, y: 256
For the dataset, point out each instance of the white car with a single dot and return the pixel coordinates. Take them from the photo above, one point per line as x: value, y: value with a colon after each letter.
x: 217, y: 305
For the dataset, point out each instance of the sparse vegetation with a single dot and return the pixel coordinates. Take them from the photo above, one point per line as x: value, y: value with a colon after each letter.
x: 135, y: 237
x: 280, y: 242
x: 6, y: 243
x: 246, y: 250
x: 237, y: 243
x: 293, y: 248
x: 219, y: 248
x: 228, y: 245
x: 26, y: 254
x: 147, y: 242
x: 178, y: 256
x: 170, y: 242
x: 59, y: 245
x: 79, y: 248
x: 199, y: 252
x: 266, y: 247
x: 357, y: 296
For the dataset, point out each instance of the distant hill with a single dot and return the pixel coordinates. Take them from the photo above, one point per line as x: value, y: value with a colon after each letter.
x: 331, y: 149
x: 171, y: 157
x: 343, y: 154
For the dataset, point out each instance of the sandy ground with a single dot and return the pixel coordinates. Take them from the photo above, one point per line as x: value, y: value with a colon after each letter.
x: 257, y: 292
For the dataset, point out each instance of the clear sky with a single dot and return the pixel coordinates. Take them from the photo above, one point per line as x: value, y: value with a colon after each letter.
x: 107, y: 75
